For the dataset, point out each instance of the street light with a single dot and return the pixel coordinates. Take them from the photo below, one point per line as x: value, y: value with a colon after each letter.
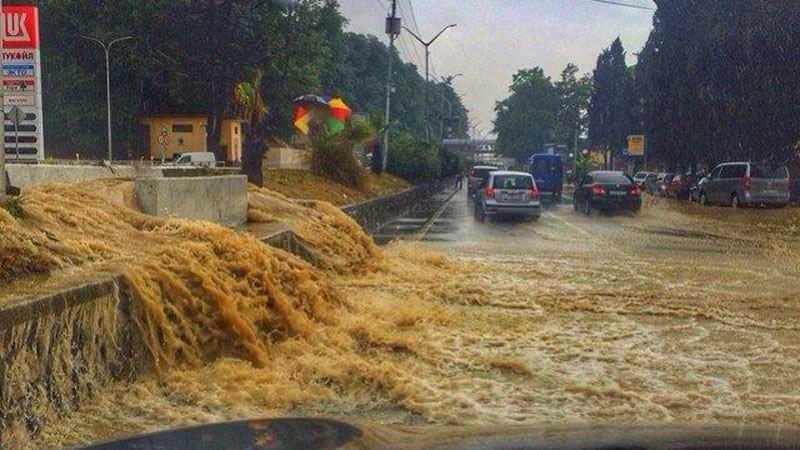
x: 107, y: 50
x: 427, y: 45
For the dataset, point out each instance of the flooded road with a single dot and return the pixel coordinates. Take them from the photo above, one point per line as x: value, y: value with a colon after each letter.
x: 680, y: 314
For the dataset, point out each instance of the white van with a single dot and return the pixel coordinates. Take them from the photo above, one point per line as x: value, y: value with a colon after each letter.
x: 204, y: 159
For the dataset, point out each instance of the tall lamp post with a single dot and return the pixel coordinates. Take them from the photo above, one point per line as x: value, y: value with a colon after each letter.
x: 3, y: 121
x: 427, y: 45
x: 107, y: 50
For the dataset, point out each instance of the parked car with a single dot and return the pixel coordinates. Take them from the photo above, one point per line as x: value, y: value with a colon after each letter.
x: 660, y: 186
x: 649, y: 182
x: 548, y: 172
x: 508, y: 193
x: 640, y: 177
x: 680, y: 186
x: 477, y: 177
x: 744, y: 183
x: 199, y: 159
x: 10, y: 190
x: 694, y: 192
x: 606, y: 190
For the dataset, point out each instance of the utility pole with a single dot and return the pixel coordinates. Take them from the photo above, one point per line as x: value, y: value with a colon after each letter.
x: 107, y: 50
x: 2, y: 114
x: 393, y: 30
x: 427, y: 46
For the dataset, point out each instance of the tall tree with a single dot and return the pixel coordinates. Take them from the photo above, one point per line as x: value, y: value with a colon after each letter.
x: 574, y: 93
x: 528, y: 118
x: 611, y: 105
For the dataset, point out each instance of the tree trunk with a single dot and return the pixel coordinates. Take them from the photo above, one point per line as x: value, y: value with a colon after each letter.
x: 252, y: 157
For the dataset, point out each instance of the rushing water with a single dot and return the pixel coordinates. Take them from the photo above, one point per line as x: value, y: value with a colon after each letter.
x: 565, y: 320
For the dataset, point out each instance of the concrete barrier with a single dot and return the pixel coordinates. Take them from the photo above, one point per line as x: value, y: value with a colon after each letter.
x: 27, y: 175
x: 220, y: 199
x: 372, y: 214
x: 59, y: 348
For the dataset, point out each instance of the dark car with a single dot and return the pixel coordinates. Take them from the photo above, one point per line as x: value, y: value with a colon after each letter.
x: 606, y: 190
x: 548, y: 171
x: 10, y: 190
x: 477, y: 178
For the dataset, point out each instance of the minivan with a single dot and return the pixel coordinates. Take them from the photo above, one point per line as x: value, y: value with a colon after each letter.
x: 204, y: 159
x: 745, y: 183
x: 548, y: 171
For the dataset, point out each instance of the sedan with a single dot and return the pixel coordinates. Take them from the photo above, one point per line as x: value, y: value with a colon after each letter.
x: 606, y: 190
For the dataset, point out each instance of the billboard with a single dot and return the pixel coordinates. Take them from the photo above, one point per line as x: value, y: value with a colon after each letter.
x: 635, y: 145
x: 22, y: 81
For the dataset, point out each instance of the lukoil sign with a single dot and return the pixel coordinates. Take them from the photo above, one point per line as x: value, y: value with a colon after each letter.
x: 22, y: 81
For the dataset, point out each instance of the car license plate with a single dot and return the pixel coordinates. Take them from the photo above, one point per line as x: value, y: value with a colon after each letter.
x: 618, y: 193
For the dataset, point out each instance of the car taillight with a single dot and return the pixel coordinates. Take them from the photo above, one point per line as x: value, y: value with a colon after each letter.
x: 489, y: 192
x: 598, y: 189
x: 533, y: 193
x: 634, y: 190
x: 747, y: 183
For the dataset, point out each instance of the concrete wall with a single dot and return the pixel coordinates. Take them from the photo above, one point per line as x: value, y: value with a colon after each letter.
x: 372, y: 214
x: 221, y: 199
x: 27, y: 175
x: 59, y: 348
x: 285, y: 158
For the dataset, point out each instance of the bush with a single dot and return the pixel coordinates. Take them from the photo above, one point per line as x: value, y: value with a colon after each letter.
x: 332, y: 157
x: 14, y: 207
x: 413, y: 159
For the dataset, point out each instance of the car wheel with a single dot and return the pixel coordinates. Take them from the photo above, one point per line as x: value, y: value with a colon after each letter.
x: 734, y: 201
x: 703, y: 199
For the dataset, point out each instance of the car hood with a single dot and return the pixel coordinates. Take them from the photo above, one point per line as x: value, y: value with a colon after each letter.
x: 302, y: 433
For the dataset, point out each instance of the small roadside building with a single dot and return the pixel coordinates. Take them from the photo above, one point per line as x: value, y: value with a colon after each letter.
x: 171, y: 134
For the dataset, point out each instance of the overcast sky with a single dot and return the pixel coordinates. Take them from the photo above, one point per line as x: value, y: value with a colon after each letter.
x: 495, y: 38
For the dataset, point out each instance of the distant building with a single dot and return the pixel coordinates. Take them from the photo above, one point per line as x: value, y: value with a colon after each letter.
x: 171, y: 134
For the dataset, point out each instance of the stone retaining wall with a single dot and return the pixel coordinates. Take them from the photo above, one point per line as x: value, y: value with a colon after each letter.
x: 372, y: 214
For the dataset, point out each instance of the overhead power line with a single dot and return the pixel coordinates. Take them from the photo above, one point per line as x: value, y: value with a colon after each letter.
x: 626, y: 5
x: 384, y: 7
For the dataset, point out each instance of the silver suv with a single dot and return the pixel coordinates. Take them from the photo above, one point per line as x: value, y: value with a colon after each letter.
x: 508, y: 193
x: 744, y: 183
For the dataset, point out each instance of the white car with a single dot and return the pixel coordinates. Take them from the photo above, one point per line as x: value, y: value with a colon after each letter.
x: 199, y: 159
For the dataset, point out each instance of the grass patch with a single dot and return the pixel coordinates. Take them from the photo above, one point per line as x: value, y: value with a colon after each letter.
x: 14, y: 207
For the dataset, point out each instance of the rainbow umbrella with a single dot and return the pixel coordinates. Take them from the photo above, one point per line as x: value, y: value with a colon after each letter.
x: 339, y: 110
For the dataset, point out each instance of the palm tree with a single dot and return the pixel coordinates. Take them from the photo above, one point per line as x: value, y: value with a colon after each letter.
x: 253, y: 110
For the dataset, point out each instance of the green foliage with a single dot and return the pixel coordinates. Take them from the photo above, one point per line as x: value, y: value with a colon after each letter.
x: 717, y: 80
x: 14, y: 207
x: 583, y: 165
x: 333, y: 156
x: 191, y: 56
x: 528, y: 118
x: 413, y: 159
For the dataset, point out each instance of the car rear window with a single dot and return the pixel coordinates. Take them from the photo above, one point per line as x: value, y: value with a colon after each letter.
x: 611, y: 177
x: 766, y: 171
x: 734, y: 171
x: 512, y: 182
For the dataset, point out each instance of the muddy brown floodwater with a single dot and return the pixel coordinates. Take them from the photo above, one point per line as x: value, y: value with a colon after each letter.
x: 681, y: 314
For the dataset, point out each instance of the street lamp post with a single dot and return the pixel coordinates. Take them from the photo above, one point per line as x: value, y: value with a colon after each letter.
x: 3, y: 121
x: 107, y: 50
x: 427, y: 45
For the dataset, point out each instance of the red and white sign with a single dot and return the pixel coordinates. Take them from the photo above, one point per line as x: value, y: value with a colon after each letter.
x: 20, y: 26
x: 22, y: 84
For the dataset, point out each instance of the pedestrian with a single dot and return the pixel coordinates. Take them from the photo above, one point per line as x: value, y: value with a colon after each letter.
x: 460, y: 180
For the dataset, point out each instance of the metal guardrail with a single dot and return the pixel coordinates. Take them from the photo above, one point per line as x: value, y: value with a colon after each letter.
x: 134, y: 163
